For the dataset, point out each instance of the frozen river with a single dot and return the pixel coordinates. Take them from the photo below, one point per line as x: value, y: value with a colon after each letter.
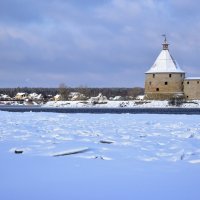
x: 103, y: 110
x: 128, y: 156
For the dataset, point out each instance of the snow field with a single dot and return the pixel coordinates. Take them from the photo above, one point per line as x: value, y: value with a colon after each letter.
x: 140, y: 137
x: 119, y: 156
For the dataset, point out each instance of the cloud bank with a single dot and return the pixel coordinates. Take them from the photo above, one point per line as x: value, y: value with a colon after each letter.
x: 107, y: 43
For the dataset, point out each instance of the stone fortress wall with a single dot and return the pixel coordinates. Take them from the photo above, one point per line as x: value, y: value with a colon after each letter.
x: 192, y: 88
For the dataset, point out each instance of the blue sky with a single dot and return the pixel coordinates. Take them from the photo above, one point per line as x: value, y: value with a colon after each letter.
x: 95, y: 43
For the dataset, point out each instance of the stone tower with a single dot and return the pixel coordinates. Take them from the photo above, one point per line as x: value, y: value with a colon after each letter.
x: 165, y: 78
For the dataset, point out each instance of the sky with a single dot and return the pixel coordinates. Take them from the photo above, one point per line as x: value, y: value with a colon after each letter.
x: 94, y: 43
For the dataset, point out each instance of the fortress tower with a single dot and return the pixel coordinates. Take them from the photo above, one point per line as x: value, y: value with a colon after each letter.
x: 165, y: 78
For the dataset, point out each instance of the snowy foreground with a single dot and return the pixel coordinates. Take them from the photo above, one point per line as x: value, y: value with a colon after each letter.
x: 122, y: 156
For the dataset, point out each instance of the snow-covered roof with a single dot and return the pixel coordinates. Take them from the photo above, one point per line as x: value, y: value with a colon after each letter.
x: 20, y: 93
x: 35, y: 96
x: 57, y: 96
x: 192, y: 78
x: 165, y: 63
x: 4, y: 96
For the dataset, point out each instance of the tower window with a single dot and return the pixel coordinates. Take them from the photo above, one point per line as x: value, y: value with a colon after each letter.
x: 157, y: 89
x: 149, y: 83
x: 182, y: 83
x: 170, y: 75
x: 187, y: 96
x: 188, y: 82
x: 153, y: 75
x: 166, y: 83
x: 197, y: 82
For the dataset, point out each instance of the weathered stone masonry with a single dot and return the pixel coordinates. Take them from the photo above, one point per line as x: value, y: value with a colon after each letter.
x: 164, y: 85
x: 192, y: 88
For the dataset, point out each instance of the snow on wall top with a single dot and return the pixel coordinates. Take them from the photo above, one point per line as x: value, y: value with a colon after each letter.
x: 192, y: 78
x: 165, y: 63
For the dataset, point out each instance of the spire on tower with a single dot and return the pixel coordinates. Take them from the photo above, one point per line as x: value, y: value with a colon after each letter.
x: 165, y: 63
x: 165, y: 43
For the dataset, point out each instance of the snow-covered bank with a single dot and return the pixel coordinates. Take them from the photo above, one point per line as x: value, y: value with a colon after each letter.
x: 116, y: 104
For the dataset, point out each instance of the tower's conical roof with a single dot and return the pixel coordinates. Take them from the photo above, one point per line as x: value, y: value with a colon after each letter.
x: 165, y: 63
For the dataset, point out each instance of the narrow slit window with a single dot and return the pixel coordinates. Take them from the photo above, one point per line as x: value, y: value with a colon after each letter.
x: 188, y: 82
x: 197, y: 82
x: 157, y: 89
x: 153, y: 75
x: 166, y: 83
x: 170, y: 75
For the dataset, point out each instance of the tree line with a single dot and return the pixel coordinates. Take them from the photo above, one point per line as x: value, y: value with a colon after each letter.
x: 65, y: 91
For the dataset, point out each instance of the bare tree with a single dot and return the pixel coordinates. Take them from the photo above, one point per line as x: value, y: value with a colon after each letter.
x: 64, y: 91
x: 134, y: 92
x: 83, y: 90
